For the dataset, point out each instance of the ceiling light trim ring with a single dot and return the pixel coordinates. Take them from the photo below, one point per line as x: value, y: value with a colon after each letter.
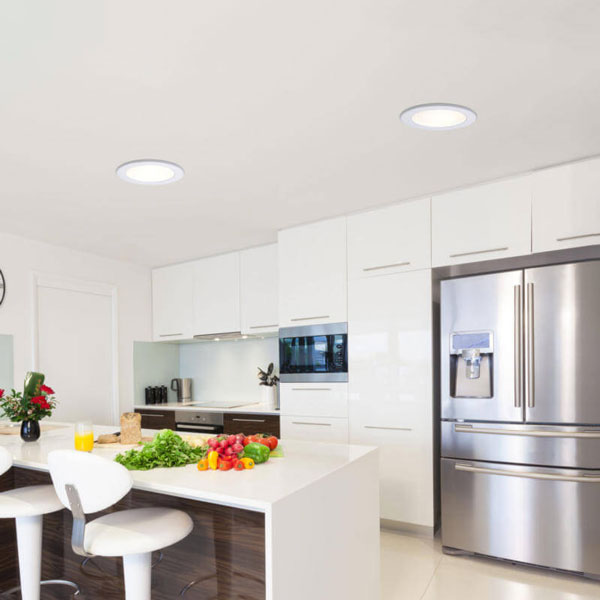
x: 124, y: 171
x: 407, y: 116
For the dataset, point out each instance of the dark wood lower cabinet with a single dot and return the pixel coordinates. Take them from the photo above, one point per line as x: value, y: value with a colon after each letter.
x: 157, y: 419
x: 249, y: 424
x: 225, y: 552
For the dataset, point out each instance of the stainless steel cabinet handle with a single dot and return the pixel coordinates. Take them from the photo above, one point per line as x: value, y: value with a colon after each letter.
x: 518, y: 344
x: 389, y: 428
x: 528, y: 432
x: 262, y: 326
x: 152, y: 415
x: 249, y: 420
x: 307, y: 423
x: 311, y: 389
x: 584, y: 478
x: 577, y: 237
x: 169, y: 334
x: 309, y: 318
x: 530, y: 348
x: 400, y: 264
x: 478, y: 252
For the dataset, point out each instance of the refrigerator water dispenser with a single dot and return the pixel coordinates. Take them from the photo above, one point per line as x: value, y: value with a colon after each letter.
x: 471, y: 364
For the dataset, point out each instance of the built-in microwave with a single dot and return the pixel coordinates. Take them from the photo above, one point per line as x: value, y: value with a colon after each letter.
x: 314, y: 353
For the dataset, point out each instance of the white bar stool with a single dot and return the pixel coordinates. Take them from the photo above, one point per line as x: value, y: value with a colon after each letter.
x: 28, y: 505
x: 86, y: 483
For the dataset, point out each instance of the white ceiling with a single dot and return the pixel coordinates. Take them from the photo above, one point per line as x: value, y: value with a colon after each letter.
x: 281, y: 112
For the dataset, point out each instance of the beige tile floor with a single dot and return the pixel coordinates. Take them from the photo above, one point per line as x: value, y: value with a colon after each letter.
x: 414, y: 568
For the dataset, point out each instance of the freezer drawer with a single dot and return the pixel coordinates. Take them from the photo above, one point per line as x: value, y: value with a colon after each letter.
x: 535, y: 515
x: 552, y: 446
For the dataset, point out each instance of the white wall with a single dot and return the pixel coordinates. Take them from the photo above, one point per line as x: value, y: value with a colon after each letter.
x: 6, y: 362
x: 20, y: 258
x: 226, y: 370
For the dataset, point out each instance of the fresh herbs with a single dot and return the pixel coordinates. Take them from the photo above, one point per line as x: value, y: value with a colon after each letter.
x: 167, y: 449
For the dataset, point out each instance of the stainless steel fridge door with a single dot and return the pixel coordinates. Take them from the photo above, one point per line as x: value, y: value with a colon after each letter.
x: 485, y: 303
x: 547, y: 445
x: 562, y: 362
x: 534, y: 515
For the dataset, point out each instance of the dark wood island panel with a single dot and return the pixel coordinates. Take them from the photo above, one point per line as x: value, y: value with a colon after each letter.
x: 157, y: 419
x: 225, y: 551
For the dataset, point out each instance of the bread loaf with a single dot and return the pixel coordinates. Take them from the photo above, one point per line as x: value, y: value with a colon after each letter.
x: 131, y: 428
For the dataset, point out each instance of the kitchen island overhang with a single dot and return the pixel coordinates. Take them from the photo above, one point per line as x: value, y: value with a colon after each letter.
x: 304, y: 524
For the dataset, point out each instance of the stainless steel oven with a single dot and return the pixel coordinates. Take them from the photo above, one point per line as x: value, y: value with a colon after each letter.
x: 196, y: 421
x: 314, y: 353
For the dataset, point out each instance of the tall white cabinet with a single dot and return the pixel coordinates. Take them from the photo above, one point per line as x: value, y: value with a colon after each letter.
x: 313, y: 274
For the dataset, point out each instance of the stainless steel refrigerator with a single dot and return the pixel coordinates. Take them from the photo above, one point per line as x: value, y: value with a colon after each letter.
x: 520, y: 410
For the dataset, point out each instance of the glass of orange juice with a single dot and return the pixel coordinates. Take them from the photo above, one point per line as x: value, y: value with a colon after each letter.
x: 84, y: 436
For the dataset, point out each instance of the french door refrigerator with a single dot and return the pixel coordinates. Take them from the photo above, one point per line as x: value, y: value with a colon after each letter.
x: 520, y: 409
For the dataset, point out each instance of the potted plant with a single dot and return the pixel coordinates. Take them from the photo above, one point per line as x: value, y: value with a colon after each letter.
x: 269, y: 382
x: 30, y: 406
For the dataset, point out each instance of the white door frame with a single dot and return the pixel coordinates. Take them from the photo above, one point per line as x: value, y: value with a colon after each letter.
x: 59, y: 282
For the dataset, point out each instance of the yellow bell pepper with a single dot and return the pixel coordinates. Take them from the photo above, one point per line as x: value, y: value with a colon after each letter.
x: 213, y: 460
x: 248, y: 463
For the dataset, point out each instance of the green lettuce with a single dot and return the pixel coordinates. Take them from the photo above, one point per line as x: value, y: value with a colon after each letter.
x: 167, y: 449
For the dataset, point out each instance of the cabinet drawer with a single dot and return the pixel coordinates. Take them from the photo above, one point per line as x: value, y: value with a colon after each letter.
x: 157, y: 419
x: 314, y: 399
x: 315, y: 429
x: 249, y: 424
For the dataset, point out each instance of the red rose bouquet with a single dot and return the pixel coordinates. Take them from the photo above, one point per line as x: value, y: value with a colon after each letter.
x: 33, y: 404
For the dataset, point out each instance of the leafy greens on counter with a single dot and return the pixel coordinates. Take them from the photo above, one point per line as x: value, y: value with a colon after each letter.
x: 167, y: 449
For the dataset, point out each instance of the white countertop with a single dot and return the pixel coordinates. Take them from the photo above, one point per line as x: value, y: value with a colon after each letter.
x: 257, y: 489
x: 250, y: 409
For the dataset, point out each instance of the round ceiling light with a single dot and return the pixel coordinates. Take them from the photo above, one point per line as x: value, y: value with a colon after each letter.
x: 438, y: 116
x: 150, y: 172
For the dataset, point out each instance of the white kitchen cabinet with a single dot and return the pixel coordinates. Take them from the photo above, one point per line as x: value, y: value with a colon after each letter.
x: 390, y: 387
x: 314, y: 399
x: 566, y: 206
x: 259, y: 293
x: 389, y: 240
x: 313, y: 274
x: 482, y: 223
x: 172, y: 302
x: 314, y: 429
x: 217, y: 294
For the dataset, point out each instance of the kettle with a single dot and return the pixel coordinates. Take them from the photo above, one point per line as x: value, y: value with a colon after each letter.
x: 183, y: 388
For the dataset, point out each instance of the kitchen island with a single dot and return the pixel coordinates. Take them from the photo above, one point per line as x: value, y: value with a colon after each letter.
x: 305, y: 525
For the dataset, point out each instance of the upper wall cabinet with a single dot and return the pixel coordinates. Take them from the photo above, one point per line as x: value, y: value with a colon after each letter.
x: 172, y: 305
x: 388, y: 240
x: 482, y: 223
x: 217, y: 294
x: 312, y: 274
x: 566, y: 206
x: 259, y: 290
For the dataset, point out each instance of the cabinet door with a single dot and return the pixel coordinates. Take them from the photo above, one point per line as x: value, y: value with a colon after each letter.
x: 259, y: 293
x: 389, y: 240
x: 482, y: 223
x: 217, y: 294
x: 314, y: 399
x: 172, y: 302
x: 157, y: 419
x: 250, y: 424
x: 566, y: 206
x: 312, y: 274
x: 315, y: 429
x: 390, y: 387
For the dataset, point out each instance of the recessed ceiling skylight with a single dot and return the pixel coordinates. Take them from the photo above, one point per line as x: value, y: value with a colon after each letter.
x: 150, y: 172
x: 438, y: 116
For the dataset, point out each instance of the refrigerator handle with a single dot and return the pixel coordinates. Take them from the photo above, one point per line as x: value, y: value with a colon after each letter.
x: 530, y: 355
x: 518, y: 345
x: 584, y: 477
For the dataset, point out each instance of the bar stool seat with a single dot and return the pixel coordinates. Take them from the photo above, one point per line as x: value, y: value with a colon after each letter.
x: 136, y: 531
x: 29, y: 502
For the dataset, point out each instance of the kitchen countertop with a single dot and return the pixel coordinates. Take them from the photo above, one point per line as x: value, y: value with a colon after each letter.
x: 250, y: 409
x: 258, y: 489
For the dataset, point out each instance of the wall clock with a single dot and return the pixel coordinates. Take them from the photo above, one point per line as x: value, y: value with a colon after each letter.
x: 2, y: 287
